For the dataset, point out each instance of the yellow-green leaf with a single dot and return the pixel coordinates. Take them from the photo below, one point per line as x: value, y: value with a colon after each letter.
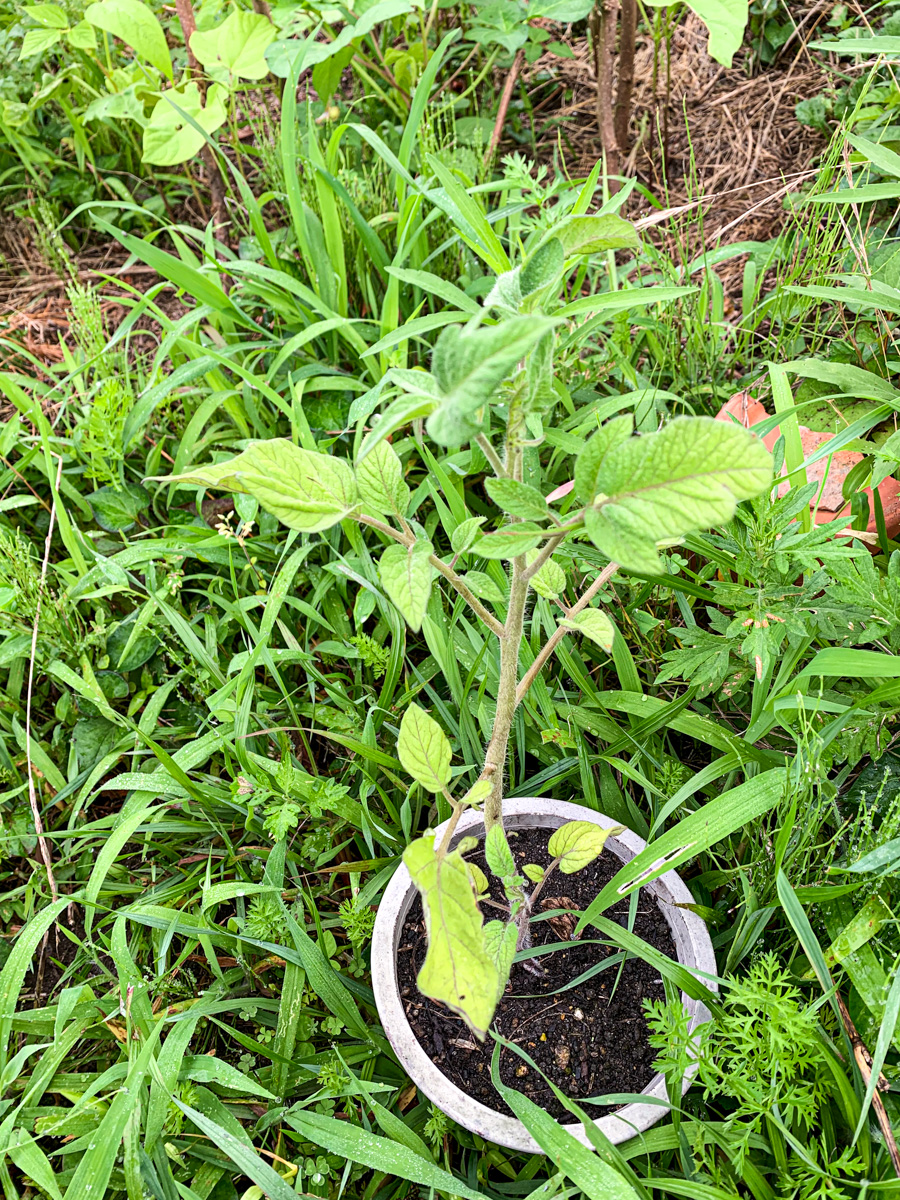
x: 458, y: 971
x: 577, y: 843
x: 424, y: 750
x: 304, y: 489
x: 595, y: 625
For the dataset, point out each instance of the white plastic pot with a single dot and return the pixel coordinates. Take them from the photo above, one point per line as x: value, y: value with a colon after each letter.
x: 688, y: 931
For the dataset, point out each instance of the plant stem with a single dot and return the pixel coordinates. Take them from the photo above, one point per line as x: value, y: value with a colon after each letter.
x: 185, y: 12
x: 510, y: 641
x: 542, y: 557
x: 451, y: 826
x: 532, y: 899
x: 553, y: 641
x: 407, y: 539
x: 626, y: 73
x: 491, y: 455
x: 603, y: 21
x: 503, y: 106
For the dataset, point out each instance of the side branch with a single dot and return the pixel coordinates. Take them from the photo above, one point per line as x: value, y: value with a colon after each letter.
x: 407, y: 539
x: 553, y: 641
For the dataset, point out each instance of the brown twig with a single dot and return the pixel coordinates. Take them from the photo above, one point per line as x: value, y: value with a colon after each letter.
x: 502, y: 108
x: 864, y: 1062
x: 43, y: 845
x: 627, y: 43
x: 603, y: 22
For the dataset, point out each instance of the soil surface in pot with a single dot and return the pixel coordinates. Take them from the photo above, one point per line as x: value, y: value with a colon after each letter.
x: 590, y: 1039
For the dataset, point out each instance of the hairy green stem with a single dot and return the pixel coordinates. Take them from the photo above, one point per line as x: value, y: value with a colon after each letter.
x: 553, y: 641
x: 407, y: 539
x: 542, y: 557
x: 491, y: 455
x: 511, y: 640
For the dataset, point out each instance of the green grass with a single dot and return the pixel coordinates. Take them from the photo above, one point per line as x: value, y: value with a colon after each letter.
x: 207, y: 729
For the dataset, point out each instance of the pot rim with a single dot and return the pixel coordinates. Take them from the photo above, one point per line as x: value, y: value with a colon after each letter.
x: 695, y: 951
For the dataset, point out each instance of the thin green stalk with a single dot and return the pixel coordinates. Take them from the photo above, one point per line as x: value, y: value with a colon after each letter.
x: 510, y: 641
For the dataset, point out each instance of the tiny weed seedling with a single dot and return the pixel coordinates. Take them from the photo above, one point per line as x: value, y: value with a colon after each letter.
x: 627, y: 495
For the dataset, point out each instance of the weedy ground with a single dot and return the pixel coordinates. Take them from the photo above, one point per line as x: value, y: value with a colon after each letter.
x: 202, y: 710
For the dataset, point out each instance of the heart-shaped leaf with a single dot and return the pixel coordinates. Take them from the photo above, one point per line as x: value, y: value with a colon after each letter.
x: 237, y: 47
x: 169, y: 138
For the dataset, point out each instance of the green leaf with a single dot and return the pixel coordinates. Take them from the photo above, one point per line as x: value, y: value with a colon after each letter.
x: 510, y: 541
x: 483, y: 586
x: 595, y: 625
x: 283, y: 54
x: 304, y: 489
x: 883, y: 1044
x: 597, y: 1179
x: 726, y: 21
x: 38, y: 41
x: 138, y: 28
x: 246, y: 1160
x: 478, y: 878
x: 498, y: 854
x: 82, y: 37
x: 534, y: 872
x: 406, y: 576
x: 591, y: 235
x: 882, y: 860
x: 590, y: 461
x: 465, y: 534
x: 424, y: 750
x: 500, y: 939
x: 550, y: 579
x: 378, y: 1153
x: 18, y: 964
x: 51, y: 16
x: 577, y: 843
x: 205, y: 1068
x: 117, y: 509
x: 841, y: 663
x: 689, y: 475
x: 868, y: 46
x: 400, y: 412
x: 477, y: 793
x: 470, y: 365
x: 520, y: 499
x: 693, y: 835
x: 237, y: 46
x: 458, y: 971
x: 168, y: 138
x: 326, y: 75
x: 564, y: 11
x: 543, y: 267
x: 379, y: 477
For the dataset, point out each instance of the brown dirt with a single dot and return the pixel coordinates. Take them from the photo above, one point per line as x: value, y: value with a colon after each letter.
x: 731, y: 140
x: 590, y: 1038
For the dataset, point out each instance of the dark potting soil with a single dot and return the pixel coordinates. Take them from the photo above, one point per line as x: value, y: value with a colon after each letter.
x: 591, y: 1040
